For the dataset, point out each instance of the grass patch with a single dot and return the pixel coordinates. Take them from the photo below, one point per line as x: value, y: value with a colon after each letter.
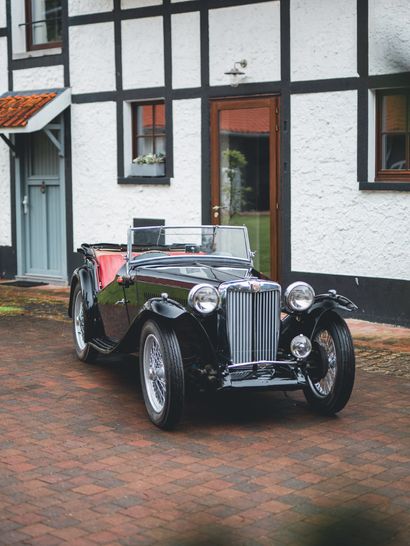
x: 259, y: 237
x: 8, y: 310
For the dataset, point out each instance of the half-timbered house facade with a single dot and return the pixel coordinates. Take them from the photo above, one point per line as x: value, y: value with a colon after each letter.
x: 289, y: 116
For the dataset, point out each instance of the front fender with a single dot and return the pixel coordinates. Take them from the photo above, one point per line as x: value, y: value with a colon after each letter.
x: 306, y: 323
x: 187, y: 327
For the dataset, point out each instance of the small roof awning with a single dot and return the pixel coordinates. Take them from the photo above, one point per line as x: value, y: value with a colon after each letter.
x: 28, y: 111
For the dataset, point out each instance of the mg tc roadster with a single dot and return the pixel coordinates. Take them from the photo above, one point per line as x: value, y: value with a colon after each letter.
x: 188, y: 301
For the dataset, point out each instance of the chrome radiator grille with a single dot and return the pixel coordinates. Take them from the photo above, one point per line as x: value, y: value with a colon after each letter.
x: 252, y: 320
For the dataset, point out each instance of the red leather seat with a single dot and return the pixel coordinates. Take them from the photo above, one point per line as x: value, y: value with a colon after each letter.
x: 109, y: 264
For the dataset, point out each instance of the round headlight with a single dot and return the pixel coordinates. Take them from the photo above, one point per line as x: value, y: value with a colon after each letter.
x: 299, y: 296
x: 204, y: 298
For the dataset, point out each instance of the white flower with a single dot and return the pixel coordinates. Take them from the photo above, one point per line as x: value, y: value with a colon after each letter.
x: 149, y: 159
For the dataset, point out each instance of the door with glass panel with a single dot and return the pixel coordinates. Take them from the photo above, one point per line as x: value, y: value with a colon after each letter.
x: 244, y: 162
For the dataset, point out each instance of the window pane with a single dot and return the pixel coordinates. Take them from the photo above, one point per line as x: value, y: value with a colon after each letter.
x: 394, y: 114
x: 46, y: 19
x: 160, y: 118
x: 145, y: 145
x: 160, y: 145
x: 145, y: 119
x: 244, y: 140
x: 394, y: 152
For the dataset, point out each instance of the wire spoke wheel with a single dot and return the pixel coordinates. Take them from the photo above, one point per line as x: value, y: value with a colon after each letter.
x: 329, y: 391
x: 81, y: 319
x: 154, y: 373
x: 162, y: 374
x: 325, y: 342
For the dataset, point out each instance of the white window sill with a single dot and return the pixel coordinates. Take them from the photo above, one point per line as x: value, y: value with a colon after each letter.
x: 37, y: 53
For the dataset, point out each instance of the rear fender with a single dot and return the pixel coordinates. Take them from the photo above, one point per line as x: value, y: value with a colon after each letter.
x: 93, y: 326
x: 83, y: 276
x: 306, y: 323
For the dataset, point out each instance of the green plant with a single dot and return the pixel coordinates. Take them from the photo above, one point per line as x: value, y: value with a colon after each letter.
x: 149, y: 159
x: 236, y: 192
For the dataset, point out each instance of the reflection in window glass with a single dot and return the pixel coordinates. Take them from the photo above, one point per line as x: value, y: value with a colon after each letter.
x: 44, y: 22
x: 394, y: 143
x: 394, y: 114
x: 149, y: 129
x: 244, y: 135
x: 394, y: 151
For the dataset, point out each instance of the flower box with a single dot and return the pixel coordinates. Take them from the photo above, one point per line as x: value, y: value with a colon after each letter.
x: 153, y: 169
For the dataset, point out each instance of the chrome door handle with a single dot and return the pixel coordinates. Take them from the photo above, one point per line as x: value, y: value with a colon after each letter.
x: 25, y: 204
x: 216, y: 207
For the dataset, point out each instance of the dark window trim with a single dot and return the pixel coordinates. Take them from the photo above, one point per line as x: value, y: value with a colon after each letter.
x: 29, y: 32
x: 387, y: 186
x: 133, y: 179
x: 391, y: 176
x: 145, y: 180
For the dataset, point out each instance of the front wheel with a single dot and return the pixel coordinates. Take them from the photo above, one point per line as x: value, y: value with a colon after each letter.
x: 330, y: 375
x: 162, y: 374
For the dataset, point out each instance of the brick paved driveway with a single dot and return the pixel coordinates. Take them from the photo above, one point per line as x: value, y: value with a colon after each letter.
x: 80, y: 463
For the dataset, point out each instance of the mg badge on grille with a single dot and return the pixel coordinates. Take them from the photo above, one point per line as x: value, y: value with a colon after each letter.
x: 255, y: 286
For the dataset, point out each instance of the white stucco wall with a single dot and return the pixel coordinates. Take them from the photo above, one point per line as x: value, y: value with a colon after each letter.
x: 142, y: 53
x: 94, y: 172
x: 3, y: 65
x: 81, y: 7
x: 186, y: 185
x: 42, y: 77
x: 250, y: 32
x: 186, y: 50
x: 323, y: 39
x: 129, y: 4
x: 18, y: 17
x: 389, y: 36
x: 2, y: 13
x: 114, y: 206
x: 335, y: 228
x: 5, y: 205
x: 91, y: 72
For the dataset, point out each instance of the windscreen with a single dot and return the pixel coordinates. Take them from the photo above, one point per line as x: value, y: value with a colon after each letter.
x: 221, y: 241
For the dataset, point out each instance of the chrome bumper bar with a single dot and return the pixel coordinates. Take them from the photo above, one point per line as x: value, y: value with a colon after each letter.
x: 262, y: 364
x: 263, y: 374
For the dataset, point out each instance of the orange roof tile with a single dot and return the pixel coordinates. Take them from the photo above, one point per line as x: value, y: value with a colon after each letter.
x: 16, y: 110
x: 245, y: 120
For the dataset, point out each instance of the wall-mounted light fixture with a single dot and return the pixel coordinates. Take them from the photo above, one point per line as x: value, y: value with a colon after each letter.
x: 235, y: 73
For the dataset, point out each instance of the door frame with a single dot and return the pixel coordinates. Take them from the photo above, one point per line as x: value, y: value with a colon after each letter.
x: 20, y: 175
x: 272, y: 102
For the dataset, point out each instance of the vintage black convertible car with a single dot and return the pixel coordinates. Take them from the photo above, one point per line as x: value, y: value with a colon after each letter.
x: 189, y: 302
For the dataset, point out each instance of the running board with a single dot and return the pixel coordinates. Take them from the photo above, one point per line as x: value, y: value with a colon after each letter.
x: 104, y: 345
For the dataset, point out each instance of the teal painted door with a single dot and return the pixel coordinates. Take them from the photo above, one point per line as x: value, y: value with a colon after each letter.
x: 42, y: 206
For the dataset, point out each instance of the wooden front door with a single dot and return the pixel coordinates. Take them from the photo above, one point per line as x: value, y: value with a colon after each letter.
x: 244, y: 173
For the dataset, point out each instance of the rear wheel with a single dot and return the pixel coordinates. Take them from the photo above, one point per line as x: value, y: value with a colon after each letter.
x: 83, y: 349
x: 331, y: 375
x: 162, y: 374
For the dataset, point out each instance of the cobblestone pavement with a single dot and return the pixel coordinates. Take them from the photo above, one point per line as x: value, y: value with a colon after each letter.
x: 81, y: 464
x: 384, y: 362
